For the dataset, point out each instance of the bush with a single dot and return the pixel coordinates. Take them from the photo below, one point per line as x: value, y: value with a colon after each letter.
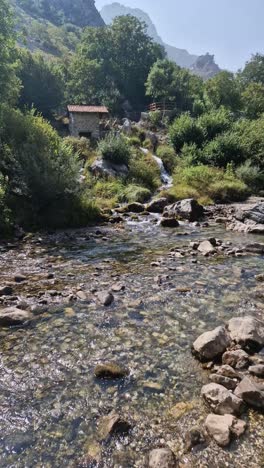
x: 107, y: 193
x: 115, y: 148
x: 81, y: 147
x: 135, y: 193
x: 207, y: 183
x: 250, y: 135
x: 145, y: 171
x: 215, y: 122
x: 168, y: 157
x: 225, y: 148
x: 187, y: 130
x: 251, y: 176
x: 134, y: 141
x: 5, y: 215
x: 155, y: 118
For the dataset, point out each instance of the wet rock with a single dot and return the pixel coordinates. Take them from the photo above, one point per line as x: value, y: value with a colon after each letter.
x: 162, y: 458
x: 228, y: 371
x: 221, y: 400
x: 18, y: 442
x: 247, y: 331
x: 228, y: 383
x: 257, y: 370
x: 20, y: 278
x: 81, y: 295
x: 110, y: 370
x: 180, y: 409
x: 251, y: 393
x: 92, y: 457
x: 211, y: 344
x: 260, y: 278
x: 221, y: 428
x: 13, y: 316
x: 157, y: 206
x: 188, y: 209
x: 193, y: 438
x: 237, y: 358
x: 106, y: 298
x: 118, y: 287
x: 112, y: 424
x: 169, y: 222
x: 135, y: 207
x: 206, y: 247
x: 255, y: 214
x: 154, y: 387
x: 6, y: 291
x: 255, y: 248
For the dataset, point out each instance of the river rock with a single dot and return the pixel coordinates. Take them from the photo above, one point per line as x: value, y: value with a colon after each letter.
x: 157, y: 206
x: 111, y: 424
x: 169, y: 222
x: 162, y: 458
x: 251, y: 393
x: 247, y: 331
x: 135, y: 207
x: 211, y: 344
x: 6, y: 291
x: 260, y: 278
x: 20, y: 278
x: 206, y: 247
x: 221, y: 428
x: 193, y: 438
x: 110, y: 370
x: 228, y: 383
x: 101, y: 167
x: 13, y: 316
x: 188, y: 209
x: 236, y: 358
x: 221, y: 400
x: 106, y: 298
x: 255, y: 213
x: 257, y: 370
x: 228, y: 371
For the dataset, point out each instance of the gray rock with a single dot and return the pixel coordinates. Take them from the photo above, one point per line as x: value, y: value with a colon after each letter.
x: 162, y: 458
x: 188, y: 209
x: 20, y: 278
x: 251, y: 393
x: 193, y: 438
x: 228, y: 383
x: 110, y: 370
x: 255, y: 213
x: 169, y: 222
x: 237, y: 358
x: 101, y: 167
x: 257, y: 370
x: 247, y: 331
x: 228, y: 371
x: 221, y: 428
x: 157, y: 206
x: 206, y: 247
x: 221, y: 400
x: 106, y: 298
x: 127, y: 127
x: 112, y: 424
x: 13, y: 316
x: 135, y: 207
x: 6, y: 291
x: 211, y: 344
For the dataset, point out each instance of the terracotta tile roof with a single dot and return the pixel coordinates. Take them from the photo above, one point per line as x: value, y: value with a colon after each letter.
x: 88, y: 109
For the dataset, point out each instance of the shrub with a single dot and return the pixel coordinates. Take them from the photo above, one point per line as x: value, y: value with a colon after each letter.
x: 225, y: 148
x: 155, y: 118
x: 81, y: 147
x: 168, y: 157
x: 250, y: 135
x: 187, y: 130
x: 251, y: 176
x: 5, y: 215
x: 134, y: 141
x: 204, y: 182
x: 135, y: 193
x: 115, y: 148
x: 145, y: 171
x: 215, y: 122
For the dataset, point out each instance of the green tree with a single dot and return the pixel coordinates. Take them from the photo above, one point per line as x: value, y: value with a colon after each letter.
x: 253, y: 100
x: 186, y: 130
x: 41, y: 83
x: 223, y: 90
x: 253, y: 70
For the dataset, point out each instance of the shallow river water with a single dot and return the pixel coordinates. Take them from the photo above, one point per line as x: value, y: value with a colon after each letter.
x: 50, y: 401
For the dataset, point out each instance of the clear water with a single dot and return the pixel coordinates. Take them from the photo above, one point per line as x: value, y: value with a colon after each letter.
x: 50, y: 401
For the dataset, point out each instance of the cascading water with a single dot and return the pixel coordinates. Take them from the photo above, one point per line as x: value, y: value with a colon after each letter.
x: 164, y: 175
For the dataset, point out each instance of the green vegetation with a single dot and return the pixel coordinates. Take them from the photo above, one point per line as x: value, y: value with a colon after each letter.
x: 168, y: 156
x: 115, y: 149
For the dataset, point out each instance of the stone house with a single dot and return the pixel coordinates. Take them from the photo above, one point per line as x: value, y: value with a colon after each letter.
x: 85, y: 121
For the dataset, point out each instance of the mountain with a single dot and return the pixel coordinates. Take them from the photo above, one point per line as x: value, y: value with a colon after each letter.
x: 205, y: 67
x: 180, y: 56
x: 54, y: 26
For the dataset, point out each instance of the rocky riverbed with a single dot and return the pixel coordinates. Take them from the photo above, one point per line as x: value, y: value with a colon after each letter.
x: 134, y: 296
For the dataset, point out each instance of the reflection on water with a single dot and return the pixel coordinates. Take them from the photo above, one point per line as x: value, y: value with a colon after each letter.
x: 50, y: 402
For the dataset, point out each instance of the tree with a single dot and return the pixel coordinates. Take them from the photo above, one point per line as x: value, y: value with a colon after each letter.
x: 253, y: 100
x: 168, y: 81
x: 113, y: 62
x: 9, y: 85
x: 223, y: 90
x: 42, y: 84
x: 254, y: 70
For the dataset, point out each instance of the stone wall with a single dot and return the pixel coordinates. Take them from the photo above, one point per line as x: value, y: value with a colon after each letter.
x: 84, y: 123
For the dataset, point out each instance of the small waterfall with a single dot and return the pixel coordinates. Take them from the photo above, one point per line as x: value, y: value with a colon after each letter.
x: 165, y: 177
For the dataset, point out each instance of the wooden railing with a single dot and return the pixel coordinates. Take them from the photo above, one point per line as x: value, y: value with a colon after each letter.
x: 162, y: 106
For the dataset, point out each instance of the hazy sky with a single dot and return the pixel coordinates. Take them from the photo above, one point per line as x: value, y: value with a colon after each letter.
x: 231, y: 29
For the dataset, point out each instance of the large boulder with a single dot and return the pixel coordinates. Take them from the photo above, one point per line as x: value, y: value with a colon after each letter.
x: 255, y: 213
x: 221, y: 428
x: 247, y: 331
x: 221, y: 400
x: 211, y: 344
x: 13, y: 316
x: 162, y: 458
x: 101, y: 167
x: 157, y: 206
x: 206, y: 247
x: 236, y: 358
x: 188, y: 209
x: 170, y: 222
x: 135, y: 207
x: 250, y: 392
